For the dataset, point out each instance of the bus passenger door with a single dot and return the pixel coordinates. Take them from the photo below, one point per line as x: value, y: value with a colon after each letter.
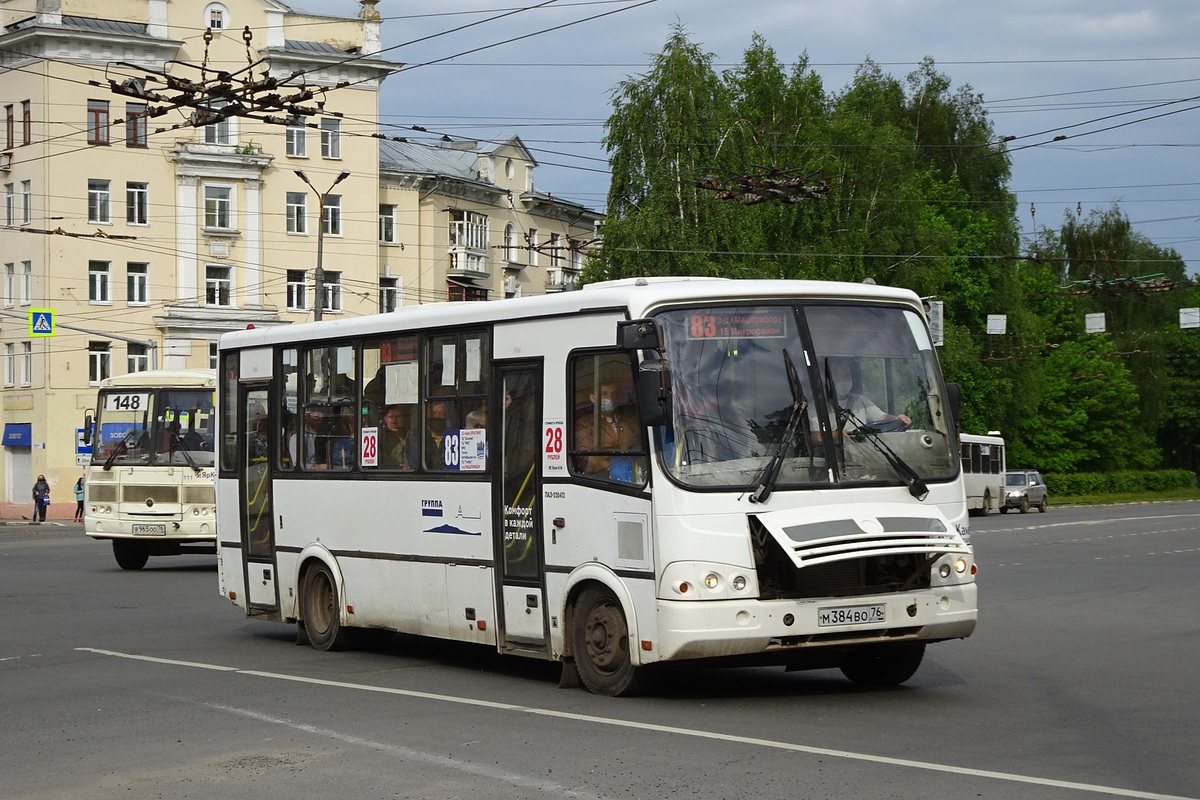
x: 518, y: 510
x: 258, y: 531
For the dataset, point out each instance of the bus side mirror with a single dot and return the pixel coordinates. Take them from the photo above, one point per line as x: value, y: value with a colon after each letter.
x: 954, y: 396
x: 654, y: 390
x: 638, y: 334
x: 87, y: 427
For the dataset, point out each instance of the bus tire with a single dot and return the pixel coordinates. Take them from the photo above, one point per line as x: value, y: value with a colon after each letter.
x: 130, y: 554
x: 883, y: 666
x: 600, y: 644
x: 322, y: 607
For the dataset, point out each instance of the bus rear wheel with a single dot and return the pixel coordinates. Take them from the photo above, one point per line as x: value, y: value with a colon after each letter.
x: 129, y: 554
x: 883, y: 666
x: 600, y: 644
x: 322, y: 617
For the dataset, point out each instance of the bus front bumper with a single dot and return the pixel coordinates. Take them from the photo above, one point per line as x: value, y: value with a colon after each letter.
x: 778, y: 628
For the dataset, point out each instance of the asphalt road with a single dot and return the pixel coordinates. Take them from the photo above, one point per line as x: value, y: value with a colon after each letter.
x: 1080, y: 682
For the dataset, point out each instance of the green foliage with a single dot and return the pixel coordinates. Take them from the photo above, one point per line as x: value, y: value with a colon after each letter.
x: 1098, y: 483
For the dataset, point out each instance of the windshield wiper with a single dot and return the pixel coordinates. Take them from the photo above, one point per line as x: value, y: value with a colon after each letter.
x: 122, y: 447
x: 177, y: 447
x: 770, y: 473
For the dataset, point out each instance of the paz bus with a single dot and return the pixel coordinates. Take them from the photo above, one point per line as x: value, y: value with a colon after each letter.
x: 983, y: 471
x: 636, y: 473
x: 149, y: 487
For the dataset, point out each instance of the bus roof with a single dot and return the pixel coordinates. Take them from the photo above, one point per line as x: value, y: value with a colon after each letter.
x: 152, y: 378
x: 633, y: 296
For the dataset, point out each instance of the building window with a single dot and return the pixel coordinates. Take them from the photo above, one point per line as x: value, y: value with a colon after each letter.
x: 297, y: 141
x: 212, y: 355
x: 297, y: 208
x: 333, y: 215
x: 26, y: 202
x: 576, y: 256
x: 98, y: 288
x: 98, y: 197
x: 510, y: 243
x: 135, y: 125
x: 533, y: 247
x: 331, y: 138
x: 221, y: 131
x: 26, y: 283
x: 137, y: 203
x: 389, y: 294
x: 10, y: 285
x: 333, y: 291
x: 457, y: 293
x: 295, y: 290
x: 10, y: 126
x: 10, y: 365
x: 138, y: 358
x: 26, y: 363
x: 387, y: 224
x: 26, y: 122
x: 99, y: 362
x: 218, y: 207
x: 217, y: 284
x: 137, y: 280
x: 10, y: 200
x: 97, y: 122
x: 556, y: 259
x: 216, y: 19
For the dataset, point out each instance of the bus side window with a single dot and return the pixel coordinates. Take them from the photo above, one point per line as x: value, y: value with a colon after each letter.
x: 608, y: 441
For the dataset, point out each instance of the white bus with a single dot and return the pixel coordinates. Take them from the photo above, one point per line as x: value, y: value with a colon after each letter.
x: 149, y: 487
x: 983, y: 472
x: 665, y: 473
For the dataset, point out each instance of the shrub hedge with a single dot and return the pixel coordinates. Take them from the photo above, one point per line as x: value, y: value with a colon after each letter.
x: 1083, y: 483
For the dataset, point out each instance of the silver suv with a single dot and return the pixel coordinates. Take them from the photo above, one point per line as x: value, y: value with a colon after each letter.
x: 1024, y: 489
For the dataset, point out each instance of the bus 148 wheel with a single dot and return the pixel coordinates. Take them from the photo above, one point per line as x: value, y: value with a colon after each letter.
x: 883, y: 666
x: 600, y: 644
x: 322, y: 610
x: 129, y: 554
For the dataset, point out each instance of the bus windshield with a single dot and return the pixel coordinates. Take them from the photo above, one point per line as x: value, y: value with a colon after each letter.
x: 155, y: 427
x: 823, y: 393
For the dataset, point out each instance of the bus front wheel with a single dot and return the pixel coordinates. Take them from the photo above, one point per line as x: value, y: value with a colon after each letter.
x: 322, y: 619
x: 600, y: 644
x: 883, y: 666
x: 130, y: 554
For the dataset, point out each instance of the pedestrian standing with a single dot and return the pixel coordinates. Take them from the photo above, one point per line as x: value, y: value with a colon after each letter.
x: 41, y: 499
x: 79, y: 500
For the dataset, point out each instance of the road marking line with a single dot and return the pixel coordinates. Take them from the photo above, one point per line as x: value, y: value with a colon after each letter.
x: 647, y: 726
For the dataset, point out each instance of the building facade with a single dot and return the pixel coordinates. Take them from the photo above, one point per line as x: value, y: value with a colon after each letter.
x: 146, y: 234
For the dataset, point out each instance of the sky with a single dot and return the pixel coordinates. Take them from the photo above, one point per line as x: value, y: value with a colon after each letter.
x: 1044, y: 68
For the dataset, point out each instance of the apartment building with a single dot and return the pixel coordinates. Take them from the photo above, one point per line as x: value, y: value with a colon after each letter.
x: 147, y: 236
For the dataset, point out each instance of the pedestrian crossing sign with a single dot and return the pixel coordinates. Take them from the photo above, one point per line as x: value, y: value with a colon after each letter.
x: 41, y: 322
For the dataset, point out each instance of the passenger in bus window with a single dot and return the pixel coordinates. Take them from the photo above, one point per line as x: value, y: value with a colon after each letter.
x: 314, y: 435
x: 343, y: 448
x: 606, y: 427
x: 436, y: 423
x: 476, y: 418
x: 393, y: 438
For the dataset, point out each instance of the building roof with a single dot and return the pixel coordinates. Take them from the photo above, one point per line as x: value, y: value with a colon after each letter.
x: 87, y: 24
x: 425, y: 159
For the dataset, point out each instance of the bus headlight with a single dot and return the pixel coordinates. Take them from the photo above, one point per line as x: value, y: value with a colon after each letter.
x: 944, y: 570
x: 960, y: 565
x: 712, y: 581
x: 739, y: 583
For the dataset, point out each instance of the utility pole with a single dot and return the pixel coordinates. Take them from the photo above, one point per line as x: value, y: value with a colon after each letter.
x: 319, y: 275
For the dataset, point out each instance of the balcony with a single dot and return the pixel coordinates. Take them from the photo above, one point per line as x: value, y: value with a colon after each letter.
x: 466, y: 262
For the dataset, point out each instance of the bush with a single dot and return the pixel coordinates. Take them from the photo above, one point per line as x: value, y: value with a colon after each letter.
x: 1123, y: 481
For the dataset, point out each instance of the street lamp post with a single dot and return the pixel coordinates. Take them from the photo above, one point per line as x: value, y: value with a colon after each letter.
x: 319, y: 275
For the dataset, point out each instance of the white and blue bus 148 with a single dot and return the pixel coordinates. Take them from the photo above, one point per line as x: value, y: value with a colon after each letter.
x: 149, y: 487
x: 640, y: 472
